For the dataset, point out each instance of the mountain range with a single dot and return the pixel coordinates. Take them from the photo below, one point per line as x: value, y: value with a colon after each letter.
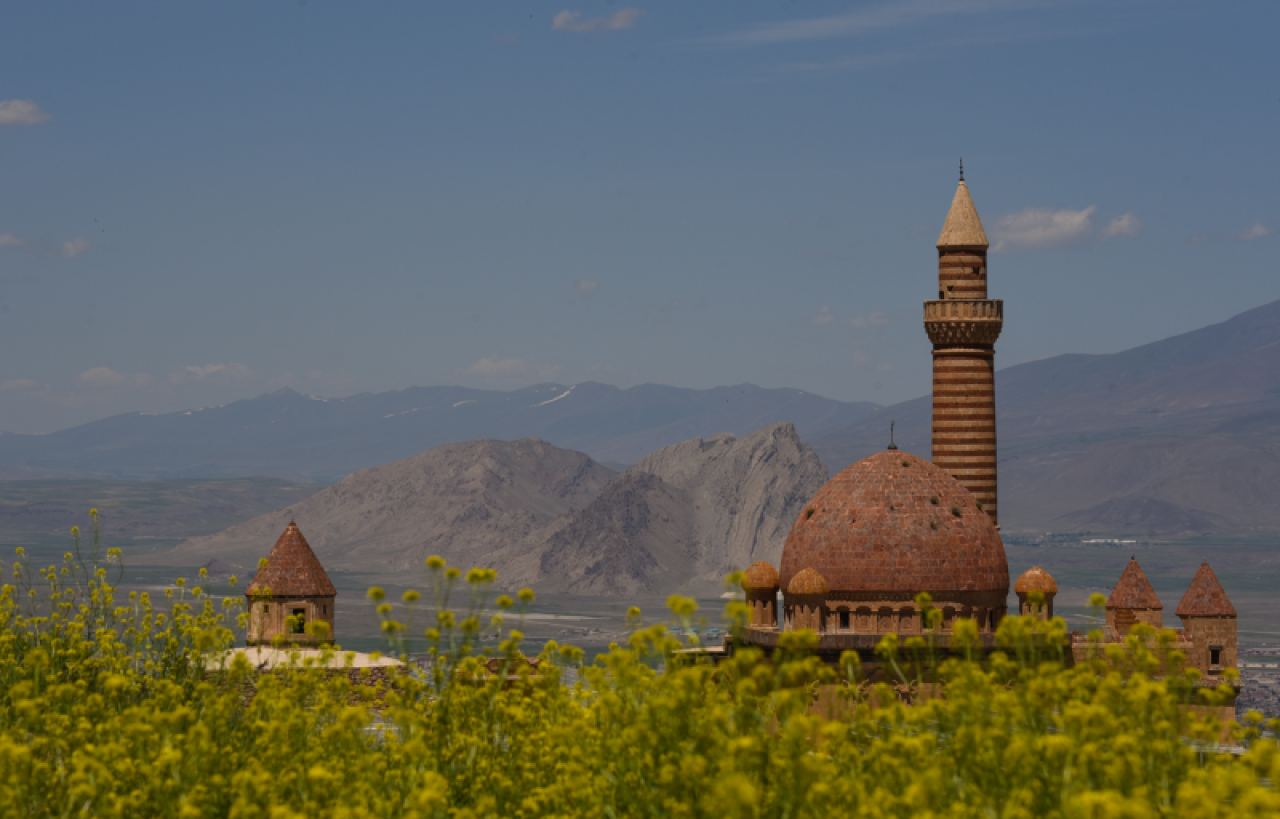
x: 288, y: 435
x: 1176, y: 437
x: 677, y: 520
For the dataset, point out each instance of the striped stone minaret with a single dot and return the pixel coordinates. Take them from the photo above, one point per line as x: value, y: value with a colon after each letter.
x: 963, y: 325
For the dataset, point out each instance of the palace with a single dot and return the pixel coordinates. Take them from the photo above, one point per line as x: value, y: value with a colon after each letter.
x: 893, y: 525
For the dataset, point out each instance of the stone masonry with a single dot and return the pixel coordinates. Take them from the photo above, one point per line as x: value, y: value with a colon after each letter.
x: 963, y: 325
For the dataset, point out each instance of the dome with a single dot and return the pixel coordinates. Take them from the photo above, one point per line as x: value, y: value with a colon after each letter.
x: 807, y: 581
x: 760, y: 577
x: 894, y: 522
x: 1035, y: 579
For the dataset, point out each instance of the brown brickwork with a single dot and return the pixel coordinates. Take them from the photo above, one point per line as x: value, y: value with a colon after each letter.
x: 1133, y: 601
x: 292, y: 584
x: 963, y: 325
x: 1036, y: 579
x: 1210, y: 621
x: 760, y: 582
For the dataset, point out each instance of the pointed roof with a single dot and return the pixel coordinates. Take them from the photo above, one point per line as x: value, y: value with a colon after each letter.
x: 1205, y: 597
x: 292, y: 569
x: 1133, y: 591
x: 963, y: 228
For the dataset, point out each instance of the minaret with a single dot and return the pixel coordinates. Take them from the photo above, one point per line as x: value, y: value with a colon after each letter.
x: 963, y: 325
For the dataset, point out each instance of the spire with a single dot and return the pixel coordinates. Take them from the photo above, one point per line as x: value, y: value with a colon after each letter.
x: 963, y: 228
x: 1205, y: 597
x: 292, y: 569
x: 1133, y: 591
x: 892, y: 445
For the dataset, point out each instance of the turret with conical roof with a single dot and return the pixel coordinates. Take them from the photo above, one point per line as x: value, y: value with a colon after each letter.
x: 963, y: 325
x: 1210, y: 621
x: 1133, y: 601
x: 291, y: 591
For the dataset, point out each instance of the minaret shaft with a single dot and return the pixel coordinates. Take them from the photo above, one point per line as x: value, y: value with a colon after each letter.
x: 963, y: 325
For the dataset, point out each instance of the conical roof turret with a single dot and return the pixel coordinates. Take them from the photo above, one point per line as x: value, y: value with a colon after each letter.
x: 1205, y: 597
x: 963, y: 228
x: 292, y: 569
x: 1133, y: 591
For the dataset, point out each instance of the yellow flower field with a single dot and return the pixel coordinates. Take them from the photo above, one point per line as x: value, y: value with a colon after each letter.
x: 111, y: 707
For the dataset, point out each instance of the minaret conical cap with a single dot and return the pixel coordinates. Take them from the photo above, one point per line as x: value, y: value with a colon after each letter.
x: 963, y: 228
x: 1205, y: 597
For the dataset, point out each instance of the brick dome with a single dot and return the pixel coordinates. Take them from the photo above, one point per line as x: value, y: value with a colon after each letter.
x: 894, y: 522
x: 760, y: 576
x: 1035, y: 579
x: 807, y: 581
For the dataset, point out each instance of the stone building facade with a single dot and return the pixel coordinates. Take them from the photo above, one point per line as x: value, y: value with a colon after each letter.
x: 289, y: 593
x: 893, y: 524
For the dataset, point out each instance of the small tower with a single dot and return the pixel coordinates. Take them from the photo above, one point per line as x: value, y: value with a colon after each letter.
x: 1033, y: 580
x: 760, y: 582
x: 806, y: 599
x: 963, y: 325
x: 1210, y: 620
x: 294, y: 585
x: 1133, y: 601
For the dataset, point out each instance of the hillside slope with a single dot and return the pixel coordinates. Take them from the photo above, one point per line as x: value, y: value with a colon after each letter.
x: 552, y: 518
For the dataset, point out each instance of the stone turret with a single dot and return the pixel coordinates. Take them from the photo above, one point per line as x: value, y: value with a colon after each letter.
x: 291, y: 591
x: 1133, y: 601
x: 1036, y: 579
x: 1210, y: 621
x: 760, y: 582
x: 963, y: 325
x: 806, y: 600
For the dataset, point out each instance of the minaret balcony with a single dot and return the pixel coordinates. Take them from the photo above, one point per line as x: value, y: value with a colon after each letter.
x: 964, y: 321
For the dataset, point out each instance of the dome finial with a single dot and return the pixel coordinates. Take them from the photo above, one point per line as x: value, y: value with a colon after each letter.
x: 892, y: 445
x: 961, y: 169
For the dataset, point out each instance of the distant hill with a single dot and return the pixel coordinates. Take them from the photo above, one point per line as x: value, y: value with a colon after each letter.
x: 678, y: 520
x: 297, y: 437
x: 1175, y: 437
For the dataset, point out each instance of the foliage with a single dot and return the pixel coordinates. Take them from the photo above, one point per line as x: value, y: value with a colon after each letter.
x: 123, y: 709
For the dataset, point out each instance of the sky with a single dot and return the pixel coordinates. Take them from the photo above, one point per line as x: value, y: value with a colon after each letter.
x: 201, y: 202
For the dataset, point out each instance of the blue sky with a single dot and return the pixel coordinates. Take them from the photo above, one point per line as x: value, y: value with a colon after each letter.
x: 204, y: 201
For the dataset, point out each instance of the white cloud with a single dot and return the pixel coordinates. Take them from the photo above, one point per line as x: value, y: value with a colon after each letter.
x: 69, y: 250
x: 584, y: 287
x: 22, y: 385
x: 107, y: 377
x: 573, y: 21
x: 898, y: 14
x: 1037, y: 228
x: 74, y: 248
x: 825, y: 316
x: 1126, y: 224
x: 198, y: 372
x: 494, y: 368
x: 1256, y: 232
x: 21, y: 112
x: 872, y: 320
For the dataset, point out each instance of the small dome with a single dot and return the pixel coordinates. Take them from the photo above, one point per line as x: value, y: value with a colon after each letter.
x: 760, y: 577
x: 1035, y: 579
x: 893, y: 522
x: 808, y: 581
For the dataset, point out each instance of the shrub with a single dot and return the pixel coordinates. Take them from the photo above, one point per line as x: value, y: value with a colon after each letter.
x: 113, y: 709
